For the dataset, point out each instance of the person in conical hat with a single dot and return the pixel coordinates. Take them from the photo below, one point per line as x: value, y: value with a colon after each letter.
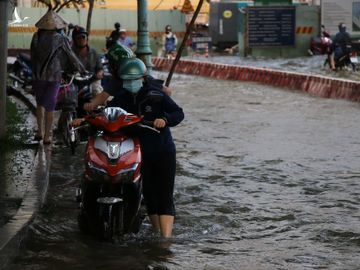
x: 51, y: 55
x: 51, y: 21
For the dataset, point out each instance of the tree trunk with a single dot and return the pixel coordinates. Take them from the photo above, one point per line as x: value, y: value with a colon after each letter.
x: 88, y: 23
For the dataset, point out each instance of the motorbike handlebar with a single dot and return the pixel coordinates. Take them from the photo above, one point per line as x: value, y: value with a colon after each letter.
x: 148, y: 127
x: 70, y: 82
x: 88, y: 78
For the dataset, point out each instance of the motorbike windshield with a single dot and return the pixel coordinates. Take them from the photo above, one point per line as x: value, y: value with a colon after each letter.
x: 113, y: 113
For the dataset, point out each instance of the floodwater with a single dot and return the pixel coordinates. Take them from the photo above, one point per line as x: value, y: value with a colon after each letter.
x: 266, y: 179
x: 309, y: 64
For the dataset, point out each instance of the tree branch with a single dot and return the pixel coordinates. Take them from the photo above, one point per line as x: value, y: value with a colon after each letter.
x: 57, y: 5
x: 47, y: 3
x: 64, y: 4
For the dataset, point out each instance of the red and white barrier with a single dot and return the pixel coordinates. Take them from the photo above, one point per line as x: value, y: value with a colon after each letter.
x: 313, y: 84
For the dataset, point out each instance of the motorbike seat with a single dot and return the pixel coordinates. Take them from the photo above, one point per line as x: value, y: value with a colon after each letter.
x: 24, y: 56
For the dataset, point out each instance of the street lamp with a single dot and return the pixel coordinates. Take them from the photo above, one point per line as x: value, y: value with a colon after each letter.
x: 143, y: 50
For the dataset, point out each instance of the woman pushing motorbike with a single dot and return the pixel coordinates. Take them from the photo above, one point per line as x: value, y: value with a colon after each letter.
x: 130, y: 88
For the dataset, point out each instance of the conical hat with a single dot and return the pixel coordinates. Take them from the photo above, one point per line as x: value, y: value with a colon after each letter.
x: 51, y: 21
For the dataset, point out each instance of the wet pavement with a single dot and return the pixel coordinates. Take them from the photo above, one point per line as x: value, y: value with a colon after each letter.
x: 15, y: 171
x: 266, y: 179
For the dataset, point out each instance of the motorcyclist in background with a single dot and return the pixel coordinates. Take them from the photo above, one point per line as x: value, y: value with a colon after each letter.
x: 341, y: 43
x: 88, y: 57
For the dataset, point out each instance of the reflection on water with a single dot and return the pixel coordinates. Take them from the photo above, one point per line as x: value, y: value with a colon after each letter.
x: 267, y: 179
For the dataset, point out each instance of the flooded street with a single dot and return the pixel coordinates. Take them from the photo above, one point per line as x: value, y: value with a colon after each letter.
x: 266, y: 179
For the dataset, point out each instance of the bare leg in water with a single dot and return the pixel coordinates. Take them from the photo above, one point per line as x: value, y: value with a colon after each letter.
x: 40, y: 121
x: 162, y: 224
x: 49, y: 116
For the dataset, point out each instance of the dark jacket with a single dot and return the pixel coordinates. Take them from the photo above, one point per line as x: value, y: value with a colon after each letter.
x: 152, y: 143
x: 341, y: 41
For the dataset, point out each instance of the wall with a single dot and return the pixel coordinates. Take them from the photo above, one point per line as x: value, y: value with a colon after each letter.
x: 347, y: 11
x: 102, y: 24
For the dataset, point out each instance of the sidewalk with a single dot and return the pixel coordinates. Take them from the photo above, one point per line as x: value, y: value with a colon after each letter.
x: 22, y: 196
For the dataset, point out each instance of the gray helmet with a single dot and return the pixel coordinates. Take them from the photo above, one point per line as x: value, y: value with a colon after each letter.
x: 132, y: 69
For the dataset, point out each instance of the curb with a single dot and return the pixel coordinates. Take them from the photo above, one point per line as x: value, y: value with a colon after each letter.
x: 12, y: 233
x: 317, y: 85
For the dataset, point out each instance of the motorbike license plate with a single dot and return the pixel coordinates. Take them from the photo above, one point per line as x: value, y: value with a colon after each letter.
x: 354, y: 59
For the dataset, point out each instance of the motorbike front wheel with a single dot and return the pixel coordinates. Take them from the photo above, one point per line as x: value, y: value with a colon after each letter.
x: 110, y: 221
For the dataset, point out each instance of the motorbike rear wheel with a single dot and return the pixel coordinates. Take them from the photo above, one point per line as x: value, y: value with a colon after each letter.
x: 69, y: 135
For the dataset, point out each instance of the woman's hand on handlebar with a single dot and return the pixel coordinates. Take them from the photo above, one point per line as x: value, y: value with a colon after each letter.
x: 89, y: 107
x: 159, y: 123
x: 77, y: 122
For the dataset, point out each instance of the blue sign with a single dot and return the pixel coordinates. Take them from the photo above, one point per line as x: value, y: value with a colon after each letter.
x: 271, y: 26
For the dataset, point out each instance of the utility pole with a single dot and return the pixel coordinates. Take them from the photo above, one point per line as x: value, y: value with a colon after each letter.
x: 3, y: 63
x: 143, y: 50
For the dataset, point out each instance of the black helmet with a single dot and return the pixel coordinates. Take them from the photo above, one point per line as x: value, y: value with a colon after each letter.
x: 71, y: 26
x: 168, y: 28
x: 79, y: 30
x: 342, y: 27
x: 117, y: 25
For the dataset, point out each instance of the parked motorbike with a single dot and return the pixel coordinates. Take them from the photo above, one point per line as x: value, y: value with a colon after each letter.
x: 110, y: 191
x: 320, y: 45
x: 107, y: 75
x: 73, y: 93
x: 21, y: 74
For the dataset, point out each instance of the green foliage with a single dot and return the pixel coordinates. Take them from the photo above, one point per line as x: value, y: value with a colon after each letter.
x: 16, y: 133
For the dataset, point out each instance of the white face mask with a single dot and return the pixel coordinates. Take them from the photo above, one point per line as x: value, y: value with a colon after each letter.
x: 133, y: 86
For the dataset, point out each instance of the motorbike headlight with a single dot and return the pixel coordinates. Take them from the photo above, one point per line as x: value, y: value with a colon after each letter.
x: 92, y: 166
x: 114, y: 150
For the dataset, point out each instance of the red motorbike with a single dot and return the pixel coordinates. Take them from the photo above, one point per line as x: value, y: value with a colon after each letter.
x: 321, y: 44
x: 110, y: 191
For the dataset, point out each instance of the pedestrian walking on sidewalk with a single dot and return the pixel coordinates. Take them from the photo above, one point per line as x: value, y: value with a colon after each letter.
x: 51, y: 54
